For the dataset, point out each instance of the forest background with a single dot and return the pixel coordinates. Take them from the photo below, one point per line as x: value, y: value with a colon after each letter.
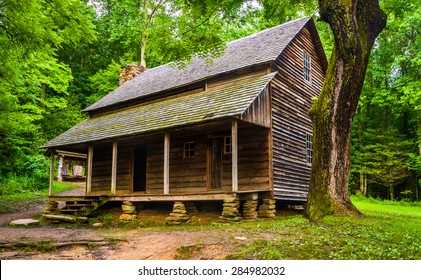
x: 59, y: 56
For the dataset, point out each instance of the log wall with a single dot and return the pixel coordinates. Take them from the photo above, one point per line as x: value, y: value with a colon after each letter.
x: 291, y: 102
x: 187, y: 175
x: 101, y: 169
x: 253, y: 161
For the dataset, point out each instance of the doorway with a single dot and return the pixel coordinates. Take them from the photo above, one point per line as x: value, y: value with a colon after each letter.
x: 139, y: 169
x: 215, y: 163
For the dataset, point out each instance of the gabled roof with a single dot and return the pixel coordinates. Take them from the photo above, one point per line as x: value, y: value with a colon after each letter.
x: 229, y: 101
x: 256, y: 49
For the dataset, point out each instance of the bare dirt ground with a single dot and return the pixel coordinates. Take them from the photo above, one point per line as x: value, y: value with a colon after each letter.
x: 143, y: 243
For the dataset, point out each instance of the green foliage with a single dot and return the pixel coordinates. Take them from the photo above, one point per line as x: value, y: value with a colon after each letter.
x: 390, y: 231
x: 34, y: 100
x: 385, y: 158
x: 387, y: 126
x: 104, y: 81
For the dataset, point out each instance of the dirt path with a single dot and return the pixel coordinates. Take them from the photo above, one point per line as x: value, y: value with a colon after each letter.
x: 118, y: 244
x: 32, y: 208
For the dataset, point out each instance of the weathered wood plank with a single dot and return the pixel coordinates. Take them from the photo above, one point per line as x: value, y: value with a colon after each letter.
x: 166, y: 163
x: 234, y: 154
x: 114, y: 168
x: 89, y: 167
x: 50, y: 189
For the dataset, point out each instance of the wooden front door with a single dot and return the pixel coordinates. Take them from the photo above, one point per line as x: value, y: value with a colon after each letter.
x: 215, y: 163
x: 139, y: 170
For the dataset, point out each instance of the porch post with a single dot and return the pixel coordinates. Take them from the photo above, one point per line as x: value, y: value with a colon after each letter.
x: 234, y: 154
x: 60, y: 166
x: 50, y: 190
x: 166, y: 163
x: 89, y: 173
x: 114, y: 169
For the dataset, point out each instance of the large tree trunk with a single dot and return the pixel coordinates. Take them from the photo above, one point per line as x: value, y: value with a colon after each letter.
x: 355, y: 25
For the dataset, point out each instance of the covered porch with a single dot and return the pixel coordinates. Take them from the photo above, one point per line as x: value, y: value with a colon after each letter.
x: 213, y: 161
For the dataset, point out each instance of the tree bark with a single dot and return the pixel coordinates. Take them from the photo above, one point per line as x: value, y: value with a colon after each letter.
x: 355, y: 25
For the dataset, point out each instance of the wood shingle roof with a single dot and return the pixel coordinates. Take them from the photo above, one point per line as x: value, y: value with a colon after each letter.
x: 229, y: 101
x: 256, y: 49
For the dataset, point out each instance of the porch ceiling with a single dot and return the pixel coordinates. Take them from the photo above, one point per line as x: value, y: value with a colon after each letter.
x: 179, y: 111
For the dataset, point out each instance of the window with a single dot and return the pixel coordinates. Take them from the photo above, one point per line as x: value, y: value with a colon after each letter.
x: 307, y: 66
x: 309, y: 148
x: 227, y: 145
x: 189, y: 149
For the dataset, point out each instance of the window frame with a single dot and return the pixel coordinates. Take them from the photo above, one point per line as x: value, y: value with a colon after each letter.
x: 189, y: 149
x: 307, y: 66
x: 309, y: 149
x: 227, y: 145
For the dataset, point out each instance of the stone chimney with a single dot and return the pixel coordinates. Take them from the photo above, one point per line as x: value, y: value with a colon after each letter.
x: 130, y: 71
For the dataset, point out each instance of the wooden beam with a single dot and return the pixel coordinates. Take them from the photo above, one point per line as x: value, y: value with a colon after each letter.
x: 166, y: 163
x: 50, y: 190
x: 60, y: 166
x: 89, y: 173
x: 234, y: 154
x: 174, y: 197
x: 270, y: 139
x: 114, y: 169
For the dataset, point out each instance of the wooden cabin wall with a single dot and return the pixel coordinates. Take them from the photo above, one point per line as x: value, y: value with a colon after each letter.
x: 291, y: 101
x: 101, y: 169
x: 188, y: 175
x: 259, y: 111
x: 155, y: 167
x: 253, y: 161
x: 124, y: 165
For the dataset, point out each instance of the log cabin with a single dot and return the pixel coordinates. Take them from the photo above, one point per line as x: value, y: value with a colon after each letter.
x: 237, y: 129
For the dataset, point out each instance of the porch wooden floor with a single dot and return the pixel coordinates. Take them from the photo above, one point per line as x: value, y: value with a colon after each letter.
x: 242, y: 195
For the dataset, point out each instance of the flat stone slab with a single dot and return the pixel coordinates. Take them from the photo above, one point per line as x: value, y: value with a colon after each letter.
x: 60, y: 218
x: 24, y: 222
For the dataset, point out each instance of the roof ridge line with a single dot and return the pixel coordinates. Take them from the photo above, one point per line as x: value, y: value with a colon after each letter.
x: 268, y: 29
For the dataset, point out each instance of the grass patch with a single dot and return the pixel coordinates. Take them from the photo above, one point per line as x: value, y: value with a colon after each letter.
x: 92, y: 246
x: 186, y: 252
x: 388, y: 232
x: 27, y: 198
x: 114, y: 241
x: 45, y: 247
x: 373, y: 207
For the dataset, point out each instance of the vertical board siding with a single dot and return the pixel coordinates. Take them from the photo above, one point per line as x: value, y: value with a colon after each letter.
x: 291, y: 102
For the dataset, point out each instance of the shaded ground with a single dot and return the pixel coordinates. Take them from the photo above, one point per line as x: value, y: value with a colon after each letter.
x: 142, y: 243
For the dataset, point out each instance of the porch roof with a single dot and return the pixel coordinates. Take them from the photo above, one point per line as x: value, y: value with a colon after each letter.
x: 183, y: 110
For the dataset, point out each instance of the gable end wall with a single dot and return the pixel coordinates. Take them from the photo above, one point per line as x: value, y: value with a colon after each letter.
x: 291, y: 101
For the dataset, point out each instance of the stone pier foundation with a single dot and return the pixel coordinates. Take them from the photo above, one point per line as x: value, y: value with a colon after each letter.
x: 267, y: 209
x: 250, y: 210
x: 129, y: 211
x: 230, y: 211
x: 178, y: 215
x: 51, y: 207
